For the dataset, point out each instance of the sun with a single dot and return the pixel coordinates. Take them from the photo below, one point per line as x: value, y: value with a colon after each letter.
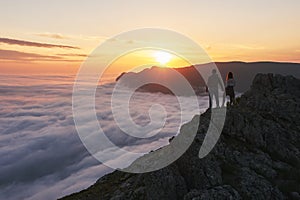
x: 162, y: 57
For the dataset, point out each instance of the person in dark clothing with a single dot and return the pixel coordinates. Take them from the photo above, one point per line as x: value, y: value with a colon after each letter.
x: 213, y: 84
x: 230, y: 84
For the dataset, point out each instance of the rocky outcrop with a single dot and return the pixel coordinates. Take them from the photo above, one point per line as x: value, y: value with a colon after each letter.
x: 256, y: 157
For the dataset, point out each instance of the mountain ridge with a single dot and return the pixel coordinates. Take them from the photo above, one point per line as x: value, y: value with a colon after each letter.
x: 244, y: 72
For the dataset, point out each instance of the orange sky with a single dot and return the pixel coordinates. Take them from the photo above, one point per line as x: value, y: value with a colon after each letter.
x: 55, y: 37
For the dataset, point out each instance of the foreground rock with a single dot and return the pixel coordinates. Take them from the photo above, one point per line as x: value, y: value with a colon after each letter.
x: 256, y: 157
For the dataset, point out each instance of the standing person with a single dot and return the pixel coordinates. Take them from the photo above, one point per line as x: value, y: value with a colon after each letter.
x: 213, y: 84
x: 230, y: 83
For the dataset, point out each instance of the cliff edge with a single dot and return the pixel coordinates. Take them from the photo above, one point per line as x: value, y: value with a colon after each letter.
x: 256, y: 157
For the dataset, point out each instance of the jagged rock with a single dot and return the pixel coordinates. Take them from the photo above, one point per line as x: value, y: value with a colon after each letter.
x: 256, y: 157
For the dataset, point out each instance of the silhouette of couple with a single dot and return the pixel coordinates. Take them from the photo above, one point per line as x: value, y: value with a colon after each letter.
x: 213, y: 83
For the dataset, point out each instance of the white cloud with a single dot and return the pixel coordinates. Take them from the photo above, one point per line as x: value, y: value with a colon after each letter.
x: 41, y: 154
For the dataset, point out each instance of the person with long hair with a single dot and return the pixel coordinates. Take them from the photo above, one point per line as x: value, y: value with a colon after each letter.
x: 230, y: 84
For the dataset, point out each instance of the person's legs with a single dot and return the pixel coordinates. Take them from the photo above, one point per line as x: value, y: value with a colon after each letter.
x: 214, y: 94
x: 231, y: 99
x: 232, y: 96
x: 224, y: 99
x: 217, y: 99
x: 210, y: 99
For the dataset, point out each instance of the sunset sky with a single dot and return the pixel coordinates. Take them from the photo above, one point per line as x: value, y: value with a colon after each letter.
x: 56, y: 36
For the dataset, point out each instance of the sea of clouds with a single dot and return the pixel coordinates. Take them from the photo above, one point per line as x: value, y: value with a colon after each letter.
x: 41, y: 154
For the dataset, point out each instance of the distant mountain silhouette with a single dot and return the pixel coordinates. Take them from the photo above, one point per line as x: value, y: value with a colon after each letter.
x: 243, y: 74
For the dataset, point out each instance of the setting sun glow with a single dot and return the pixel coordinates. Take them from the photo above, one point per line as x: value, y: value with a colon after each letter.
x: 162, y: 57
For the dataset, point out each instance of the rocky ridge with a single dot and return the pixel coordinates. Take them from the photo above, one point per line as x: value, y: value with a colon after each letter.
x: 256, y: 157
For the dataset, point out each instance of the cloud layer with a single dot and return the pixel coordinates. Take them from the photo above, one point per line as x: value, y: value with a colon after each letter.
x: 18, y: 55
x: 23, y: 56
x: 41, y: 154
x: 53, y: 35
x: 34, y: 44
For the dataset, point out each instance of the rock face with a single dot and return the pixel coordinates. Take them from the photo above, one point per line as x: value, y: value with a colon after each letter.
x: 256, y: 157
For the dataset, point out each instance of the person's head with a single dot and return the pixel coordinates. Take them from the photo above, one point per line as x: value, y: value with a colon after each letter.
x: 214, y: 71
x: 229, y: 75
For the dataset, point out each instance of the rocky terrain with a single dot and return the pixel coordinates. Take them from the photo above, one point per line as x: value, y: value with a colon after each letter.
x: 256, y: 157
